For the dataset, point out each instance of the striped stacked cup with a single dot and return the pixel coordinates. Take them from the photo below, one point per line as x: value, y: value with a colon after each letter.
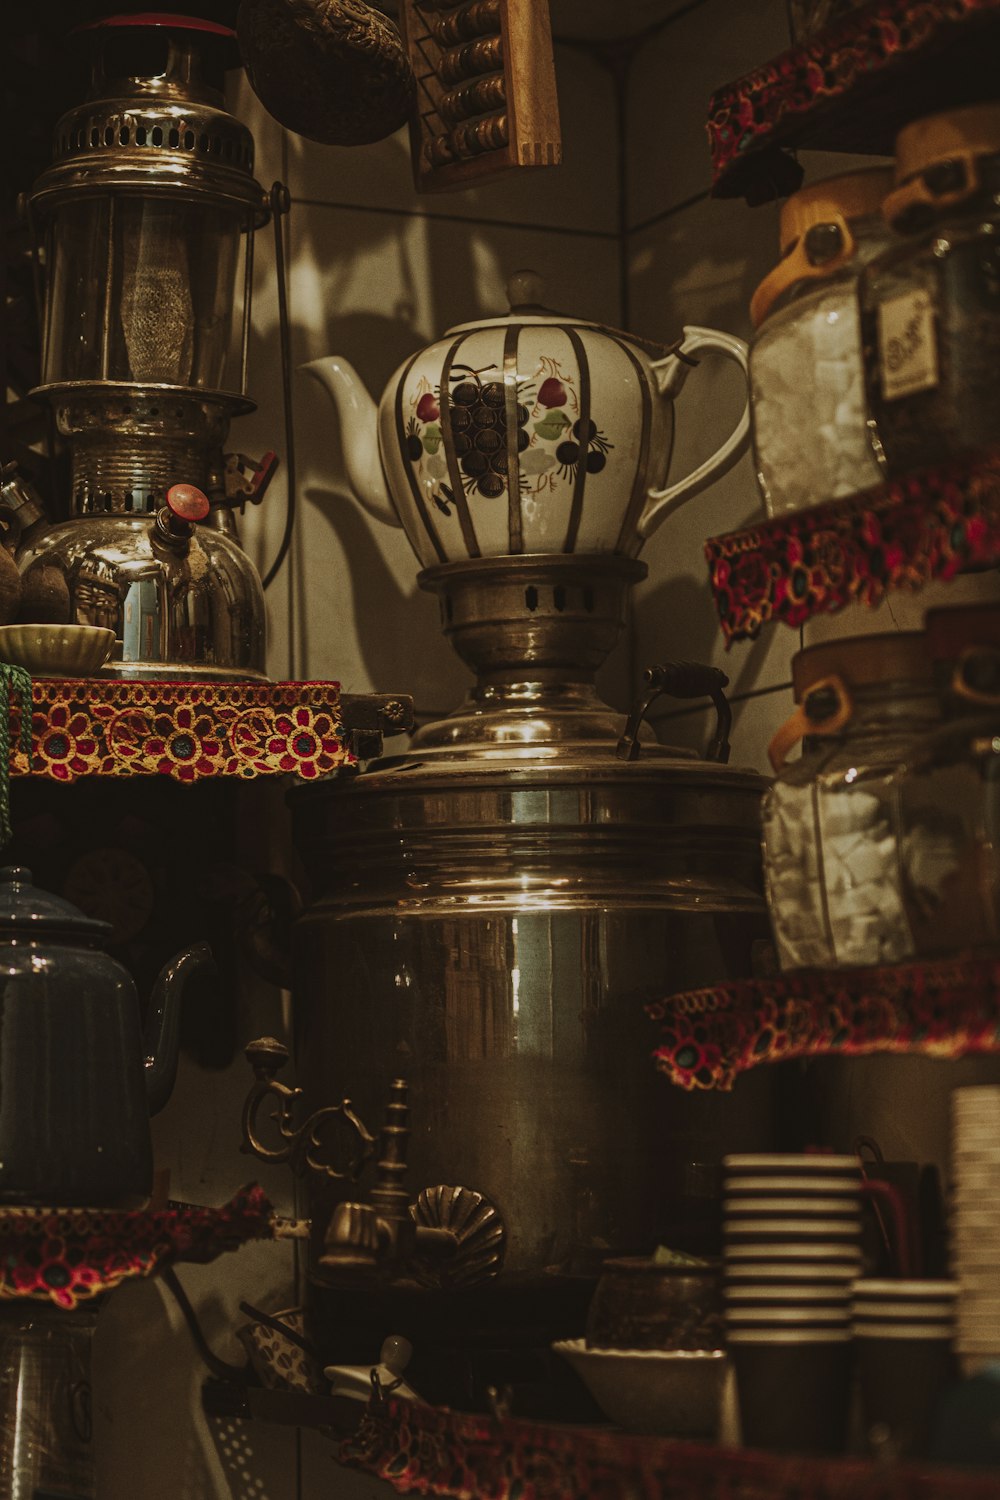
x: 792, y: 1249
x: 903, y: 1334
x: 975, y: 1223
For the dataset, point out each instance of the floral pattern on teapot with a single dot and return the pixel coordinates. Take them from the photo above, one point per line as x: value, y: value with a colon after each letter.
x: 553, y: 440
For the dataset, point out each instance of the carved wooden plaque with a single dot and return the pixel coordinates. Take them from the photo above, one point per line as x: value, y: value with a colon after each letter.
x: 486, y: 89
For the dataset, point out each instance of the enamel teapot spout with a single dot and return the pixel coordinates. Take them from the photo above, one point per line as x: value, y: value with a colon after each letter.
x: 161, y: 1037
x: 532, y: 433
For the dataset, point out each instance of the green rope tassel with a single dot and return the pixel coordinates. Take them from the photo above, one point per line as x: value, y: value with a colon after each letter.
x: 15, y: 681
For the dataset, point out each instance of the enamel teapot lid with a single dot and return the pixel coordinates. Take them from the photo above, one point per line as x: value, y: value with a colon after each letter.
x: 25, y: 909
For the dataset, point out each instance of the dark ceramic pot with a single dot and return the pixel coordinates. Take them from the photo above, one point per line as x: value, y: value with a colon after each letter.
x: 641, y: 1305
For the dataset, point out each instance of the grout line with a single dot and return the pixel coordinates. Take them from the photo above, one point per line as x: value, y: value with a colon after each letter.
x: 668, y: 213
x: 734, y: 699
x: 420, y: 213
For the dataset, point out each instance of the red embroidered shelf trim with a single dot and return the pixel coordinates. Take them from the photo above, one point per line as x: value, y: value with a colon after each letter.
x: 943, y: 1008
x: 901, y: 535
x: 429, y: 1451
x: 771, y: 105
x: 68, y: 1255
x: 187, y: 730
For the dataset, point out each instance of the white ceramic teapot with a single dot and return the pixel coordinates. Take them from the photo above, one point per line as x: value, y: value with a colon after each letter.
x: 531, y: 433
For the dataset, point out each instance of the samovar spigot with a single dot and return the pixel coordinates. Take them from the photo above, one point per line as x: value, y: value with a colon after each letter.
x: 444, y: 1236
x: 379, y: 1234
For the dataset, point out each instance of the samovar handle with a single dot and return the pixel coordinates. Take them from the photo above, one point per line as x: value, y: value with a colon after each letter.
x: 680, y: 679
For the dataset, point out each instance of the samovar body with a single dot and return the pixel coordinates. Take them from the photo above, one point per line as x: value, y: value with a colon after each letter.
x: 494, y: 936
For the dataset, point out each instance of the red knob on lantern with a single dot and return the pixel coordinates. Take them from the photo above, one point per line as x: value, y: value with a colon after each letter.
x: 187, y: 502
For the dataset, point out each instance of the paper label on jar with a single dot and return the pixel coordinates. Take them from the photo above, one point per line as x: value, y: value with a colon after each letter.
x: 907, y: 346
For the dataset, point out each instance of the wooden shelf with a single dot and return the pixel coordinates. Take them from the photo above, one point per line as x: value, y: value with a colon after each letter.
x: 939, y: 1007
x: 851, y: 87
x: 191, y: 730
x: 896, y: 536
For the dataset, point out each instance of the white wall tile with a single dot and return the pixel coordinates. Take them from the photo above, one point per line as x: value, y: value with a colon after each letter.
x: 670, y: 83
x: 581, y: 193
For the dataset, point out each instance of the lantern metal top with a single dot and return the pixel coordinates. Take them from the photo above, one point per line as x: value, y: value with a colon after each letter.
x: 154, y: 122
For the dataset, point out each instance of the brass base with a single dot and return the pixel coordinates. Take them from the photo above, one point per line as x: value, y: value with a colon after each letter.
x: 534, y: 629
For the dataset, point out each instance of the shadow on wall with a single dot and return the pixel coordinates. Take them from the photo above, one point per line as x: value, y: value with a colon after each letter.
x: 687, y: 629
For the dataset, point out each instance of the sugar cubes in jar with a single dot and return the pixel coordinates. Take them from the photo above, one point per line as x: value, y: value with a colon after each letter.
x: 808, y: 401
x: 832, y: 838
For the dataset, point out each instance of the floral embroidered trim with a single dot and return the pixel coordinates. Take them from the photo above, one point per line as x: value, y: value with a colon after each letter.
x: 67, y: 1255
x: 87, y: 727
x: 942, y: 1008
x: 895, y: 536
x: 771, y: 105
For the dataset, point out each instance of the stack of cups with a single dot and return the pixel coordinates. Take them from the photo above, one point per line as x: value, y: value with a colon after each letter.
x: 792, y: 1249
x: 903, y: 1334
x: 975, y: 1224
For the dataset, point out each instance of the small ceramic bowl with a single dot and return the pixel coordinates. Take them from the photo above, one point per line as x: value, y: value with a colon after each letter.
x: 675, y: 1393
x: 56, y: 650
x: 639, y: 1304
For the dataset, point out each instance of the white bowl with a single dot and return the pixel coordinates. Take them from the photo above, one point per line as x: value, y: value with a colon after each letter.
x: 56, y: 650
x: 673, y: 1393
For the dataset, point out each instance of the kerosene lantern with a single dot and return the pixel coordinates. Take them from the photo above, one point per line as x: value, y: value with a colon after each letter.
x: 147, y: 217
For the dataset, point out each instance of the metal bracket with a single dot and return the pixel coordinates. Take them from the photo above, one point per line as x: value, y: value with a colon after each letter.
x: 368, y: 718
x: 302, y: 1146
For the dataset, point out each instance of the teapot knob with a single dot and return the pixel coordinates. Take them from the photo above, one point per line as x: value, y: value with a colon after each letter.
x: 526, y: 292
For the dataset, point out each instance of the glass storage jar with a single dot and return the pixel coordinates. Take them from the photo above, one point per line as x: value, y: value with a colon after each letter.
x: 807, y: 387
x: 951, y: 885
x: 931, y: 304
x: 832, y: 850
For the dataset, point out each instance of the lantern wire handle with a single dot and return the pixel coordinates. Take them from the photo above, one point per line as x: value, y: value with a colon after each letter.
x: 280, y: 204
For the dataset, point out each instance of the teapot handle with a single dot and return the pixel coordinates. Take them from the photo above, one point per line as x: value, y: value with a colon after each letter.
x: 671, y: 375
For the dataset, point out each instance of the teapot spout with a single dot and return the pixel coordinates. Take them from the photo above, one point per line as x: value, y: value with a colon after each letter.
x: 161, y: 1039
x: 358, y: 434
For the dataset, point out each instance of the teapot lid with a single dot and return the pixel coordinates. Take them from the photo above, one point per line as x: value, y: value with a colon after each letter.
x: 525, y: 291
x: 26, y: 908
